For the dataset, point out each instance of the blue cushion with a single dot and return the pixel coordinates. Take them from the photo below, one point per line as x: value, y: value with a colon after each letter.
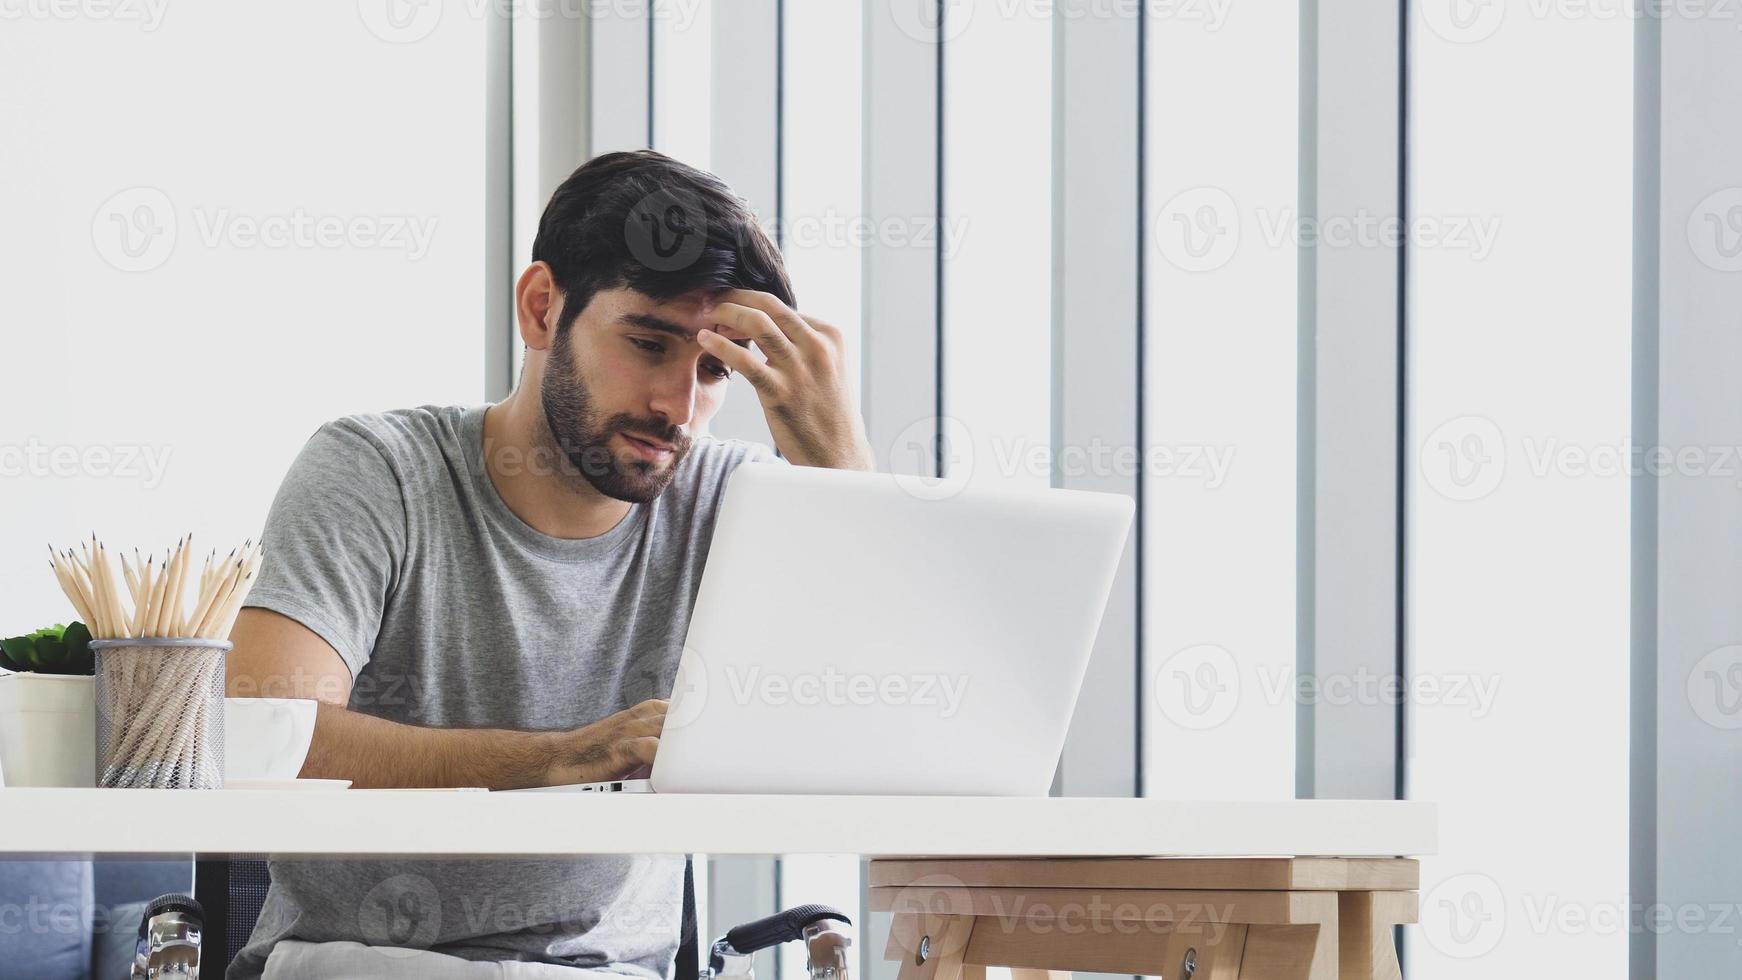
x: 45, y: 926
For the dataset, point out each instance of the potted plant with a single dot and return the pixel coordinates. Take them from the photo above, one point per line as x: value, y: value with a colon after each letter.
x: 48, y: 726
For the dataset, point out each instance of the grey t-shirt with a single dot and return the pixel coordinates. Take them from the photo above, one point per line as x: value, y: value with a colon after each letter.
x: 389, y: 540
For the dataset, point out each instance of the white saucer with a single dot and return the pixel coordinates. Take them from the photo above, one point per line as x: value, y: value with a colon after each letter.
x: 289, y: 785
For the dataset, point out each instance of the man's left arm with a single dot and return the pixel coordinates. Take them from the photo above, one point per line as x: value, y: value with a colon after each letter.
x: 802, y: 384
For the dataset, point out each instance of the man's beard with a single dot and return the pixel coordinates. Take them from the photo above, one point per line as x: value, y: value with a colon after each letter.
x: 585, y: 441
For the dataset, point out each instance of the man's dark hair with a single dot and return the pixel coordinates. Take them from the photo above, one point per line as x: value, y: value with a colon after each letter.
x: 644, y: 221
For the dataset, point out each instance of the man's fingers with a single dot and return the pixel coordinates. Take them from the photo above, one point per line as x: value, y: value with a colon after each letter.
x: 659, y: 705
x: 646, y: 718
x: 736, y: 358
x: 758, y: 326
x: 787, y: 318
x: 640, y: 751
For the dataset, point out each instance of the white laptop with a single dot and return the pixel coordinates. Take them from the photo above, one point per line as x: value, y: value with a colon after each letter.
x: 862, y: 633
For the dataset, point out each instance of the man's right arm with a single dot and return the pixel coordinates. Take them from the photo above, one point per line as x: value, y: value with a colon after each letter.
x: 276, y: 656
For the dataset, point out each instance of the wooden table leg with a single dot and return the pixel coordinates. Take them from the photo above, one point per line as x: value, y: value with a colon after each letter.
x: 931, y: 947
x: 1366, y: 922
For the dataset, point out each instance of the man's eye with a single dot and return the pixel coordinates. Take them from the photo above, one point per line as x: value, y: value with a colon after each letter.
x: 650, y: 346
x: 719, y: 371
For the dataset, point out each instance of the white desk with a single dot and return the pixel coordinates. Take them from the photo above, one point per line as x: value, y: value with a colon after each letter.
x: 1284, y: 890
x: 364, y: 822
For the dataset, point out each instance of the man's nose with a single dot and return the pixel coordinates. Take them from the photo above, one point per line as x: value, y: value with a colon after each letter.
x: 674, y: 395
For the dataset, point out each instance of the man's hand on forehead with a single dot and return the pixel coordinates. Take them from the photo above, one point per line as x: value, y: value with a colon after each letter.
x: 720, y: 325
x: 801, y: 379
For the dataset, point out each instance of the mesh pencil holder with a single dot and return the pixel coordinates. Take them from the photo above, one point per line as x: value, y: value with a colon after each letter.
x: 160, y: 713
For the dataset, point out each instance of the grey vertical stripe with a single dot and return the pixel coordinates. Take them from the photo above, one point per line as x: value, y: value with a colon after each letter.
x: 498, y: 206
x: 1096, y: 316
x: 901, y: 385
x: 938, y: 150
x: 1351, y: 441
x: 1306, y: 395
x: 1642, y: 735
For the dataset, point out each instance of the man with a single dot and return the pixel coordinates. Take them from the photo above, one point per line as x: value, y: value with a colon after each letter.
x: 498, y: 596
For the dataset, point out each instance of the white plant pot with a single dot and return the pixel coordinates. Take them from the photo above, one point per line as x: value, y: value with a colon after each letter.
x: 48, y: 730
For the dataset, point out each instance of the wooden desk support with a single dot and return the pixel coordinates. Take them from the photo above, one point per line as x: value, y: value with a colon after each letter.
x: 1178, y: 918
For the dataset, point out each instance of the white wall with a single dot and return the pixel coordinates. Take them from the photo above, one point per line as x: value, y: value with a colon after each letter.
x: 997, y: 203
x: 217, y: 345
x: 1518, y: 554
x: 1221, y: 335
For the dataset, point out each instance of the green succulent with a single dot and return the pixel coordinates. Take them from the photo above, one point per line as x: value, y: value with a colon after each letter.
x: 55, y: 650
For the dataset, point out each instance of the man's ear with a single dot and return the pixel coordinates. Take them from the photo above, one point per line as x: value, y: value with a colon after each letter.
x: 538, y: 304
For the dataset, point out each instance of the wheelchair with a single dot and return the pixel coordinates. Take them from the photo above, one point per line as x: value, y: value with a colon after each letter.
x: 232, y: 892
x: 826, y: 933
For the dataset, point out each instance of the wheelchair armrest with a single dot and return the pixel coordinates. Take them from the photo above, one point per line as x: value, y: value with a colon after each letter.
x: 781, y: 927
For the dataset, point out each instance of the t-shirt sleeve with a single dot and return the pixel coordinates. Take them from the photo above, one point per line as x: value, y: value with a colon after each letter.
x: 335, y: 541
x: 756, y: 452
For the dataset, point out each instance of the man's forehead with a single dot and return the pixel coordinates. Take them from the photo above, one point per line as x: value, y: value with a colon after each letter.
x: 679, y: 316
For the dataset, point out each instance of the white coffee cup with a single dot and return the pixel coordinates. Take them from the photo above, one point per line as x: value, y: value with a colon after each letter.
x: 266, y: 738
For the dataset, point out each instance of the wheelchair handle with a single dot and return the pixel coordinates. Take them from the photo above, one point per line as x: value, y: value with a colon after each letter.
x: 781, y: 927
